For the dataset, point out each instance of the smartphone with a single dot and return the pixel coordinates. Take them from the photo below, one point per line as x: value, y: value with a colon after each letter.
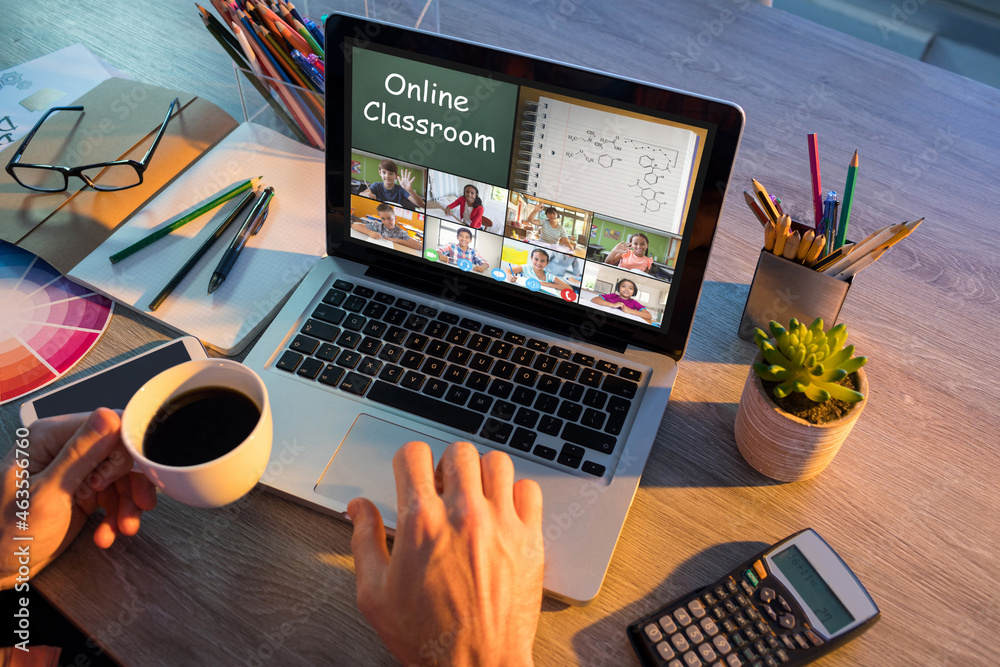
x: 112, y: 387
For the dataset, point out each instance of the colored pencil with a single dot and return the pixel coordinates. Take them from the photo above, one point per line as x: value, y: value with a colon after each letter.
x: 752, y: 203
x: 766, y: 204
x: 241, y: 61
x: 817, y: 187
x: 845, y: 210
x: 184, y: 219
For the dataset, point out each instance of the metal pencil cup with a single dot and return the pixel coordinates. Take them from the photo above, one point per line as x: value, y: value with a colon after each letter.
x: 783, y: 289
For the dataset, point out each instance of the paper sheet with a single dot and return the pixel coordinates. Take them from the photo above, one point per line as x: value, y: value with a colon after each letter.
x: 28, y: 90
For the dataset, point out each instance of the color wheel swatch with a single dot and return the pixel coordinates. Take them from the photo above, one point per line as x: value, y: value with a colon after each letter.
x: 47, y: 322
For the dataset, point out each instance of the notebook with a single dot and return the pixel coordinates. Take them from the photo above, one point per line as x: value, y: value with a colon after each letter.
x: 280, y: 254
x: 515, y: 251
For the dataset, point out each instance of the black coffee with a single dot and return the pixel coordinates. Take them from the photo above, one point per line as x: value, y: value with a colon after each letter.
x: 199, y: 426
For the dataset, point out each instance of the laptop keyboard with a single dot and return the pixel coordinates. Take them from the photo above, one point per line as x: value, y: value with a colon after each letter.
x: 554, y: 405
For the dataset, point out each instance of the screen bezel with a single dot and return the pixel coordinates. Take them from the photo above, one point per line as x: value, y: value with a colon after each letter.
x: 724, y: 121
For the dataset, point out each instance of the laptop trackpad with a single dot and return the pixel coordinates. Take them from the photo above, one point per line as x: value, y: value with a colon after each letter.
x: 362, y: 465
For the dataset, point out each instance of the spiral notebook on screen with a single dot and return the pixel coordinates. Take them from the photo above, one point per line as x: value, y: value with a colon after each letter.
x: 514, y: 261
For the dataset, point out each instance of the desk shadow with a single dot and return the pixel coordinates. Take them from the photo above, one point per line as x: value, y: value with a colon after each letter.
x: 695, y: 447
x: 713, y: 337
x: 703, y: 569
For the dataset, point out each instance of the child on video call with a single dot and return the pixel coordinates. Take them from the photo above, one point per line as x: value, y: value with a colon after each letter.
x: 396, y: 187
x: 386, y: 228
x: 550, y: 231
x: 470, y: 207
x: 453, y: 253
x: 538, y: 260
x: 632, y: 254
x: 623, y: 301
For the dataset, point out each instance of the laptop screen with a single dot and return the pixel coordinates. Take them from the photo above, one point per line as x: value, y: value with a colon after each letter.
x: 571, y: 196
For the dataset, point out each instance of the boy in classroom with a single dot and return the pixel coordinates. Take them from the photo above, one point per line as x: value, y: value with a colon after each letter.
x: 539, y: 259
x: 396, y: 187
x: 550, y: 231
x: 455, y: 252
x: 622, y: 299
x: 632, y: 254
x: 386, y: 228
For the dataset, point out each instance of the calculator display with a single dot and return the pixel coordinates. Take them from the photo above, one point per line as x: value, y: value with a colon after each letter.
x: 813, y: 590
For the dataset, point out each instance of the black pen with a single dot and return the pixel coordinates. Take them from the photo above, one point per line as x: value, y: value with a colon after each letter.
x: 175, y: 281
x: 250, y: 228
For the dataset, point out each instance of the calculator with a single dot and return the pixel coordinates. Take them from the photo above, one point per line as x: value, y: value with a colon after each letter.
x: 790, y: 604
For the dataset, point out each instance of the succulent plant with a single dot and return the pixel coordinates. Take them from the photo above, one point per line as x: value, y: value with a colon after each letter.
x: 808, y: 360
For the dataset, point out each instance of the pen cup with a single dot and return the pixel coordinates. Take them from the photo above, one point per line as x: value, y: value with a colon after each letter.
x: 783, y: 289
x: 289, y: 109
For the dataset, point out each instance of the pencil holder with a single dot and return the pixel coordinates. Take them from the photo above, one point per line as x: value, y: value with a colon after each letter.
x: 783, y: 289
x: 292, y: 110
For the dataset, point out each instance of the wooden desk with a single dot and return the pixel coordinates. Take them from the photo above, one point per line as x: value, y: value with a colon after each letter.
x: 911, y: 501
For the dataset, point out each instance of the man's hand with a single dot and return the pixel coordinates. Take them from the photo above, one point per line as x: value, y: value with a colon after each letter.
x: 463, y: 585
x: 76, y: 463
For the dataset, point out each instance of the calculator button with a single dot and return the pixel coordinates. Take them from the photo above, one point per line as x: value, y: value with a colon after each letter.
x: 770, y: 612
x: 751, y: 613
x: 769, y: 661
x: 737, y: 640
x: 665, y: 651
x: 675, y: 663
x: 742, y: 621
x: 720, y: 592
x: 761, y: 647
x: 706, y: 652
x: 800, y: 640
x: 668, y: 625
x: 772, y: 642
x: 758, y: 568
x: 679, y: 642
x: 730, y: 607
x: 728, y: 626
x: 709, y: 599
x: 741, y: 601
x: 682, y: 616
x: 709, y: 626
x: 749, y: 654
x: 691, y: 659
x: 721, y: 645
x: 732, y: 660
x: 787, y: 621
x: 694, y: 634
x: 746, y: 587
x: 731, y: 587
x: 653, y: 632
x: 750, y: 634
x: 718, y: 613
x: 763, y: 629
x: 782, y: 656
x: 767, y: 594
x: 784, y: 604
x: 787, y: 641
x: 696, y: 608
x: 813, y: 637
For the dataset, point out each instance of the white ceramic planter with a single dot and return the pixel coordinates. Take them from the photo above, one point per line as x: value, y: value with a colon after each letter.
x: 785, y: 447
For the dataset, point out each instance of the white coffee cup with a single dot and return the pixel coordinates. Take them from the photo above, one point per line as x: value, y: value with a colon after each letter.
x: 219, y: 481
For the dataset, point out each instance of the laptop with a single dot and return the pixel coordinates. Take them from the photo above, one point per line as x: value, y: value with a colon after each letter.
x: 515, y: 251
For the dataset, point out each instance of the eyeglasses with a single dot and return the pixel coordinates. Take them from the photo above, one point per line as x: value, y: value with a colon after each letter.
x: 114, y: 175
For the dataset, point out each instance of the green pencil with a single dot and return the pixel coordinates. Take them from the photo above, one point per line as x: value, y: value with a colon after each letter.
x: 845, y: 207
x: 183, y: 220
